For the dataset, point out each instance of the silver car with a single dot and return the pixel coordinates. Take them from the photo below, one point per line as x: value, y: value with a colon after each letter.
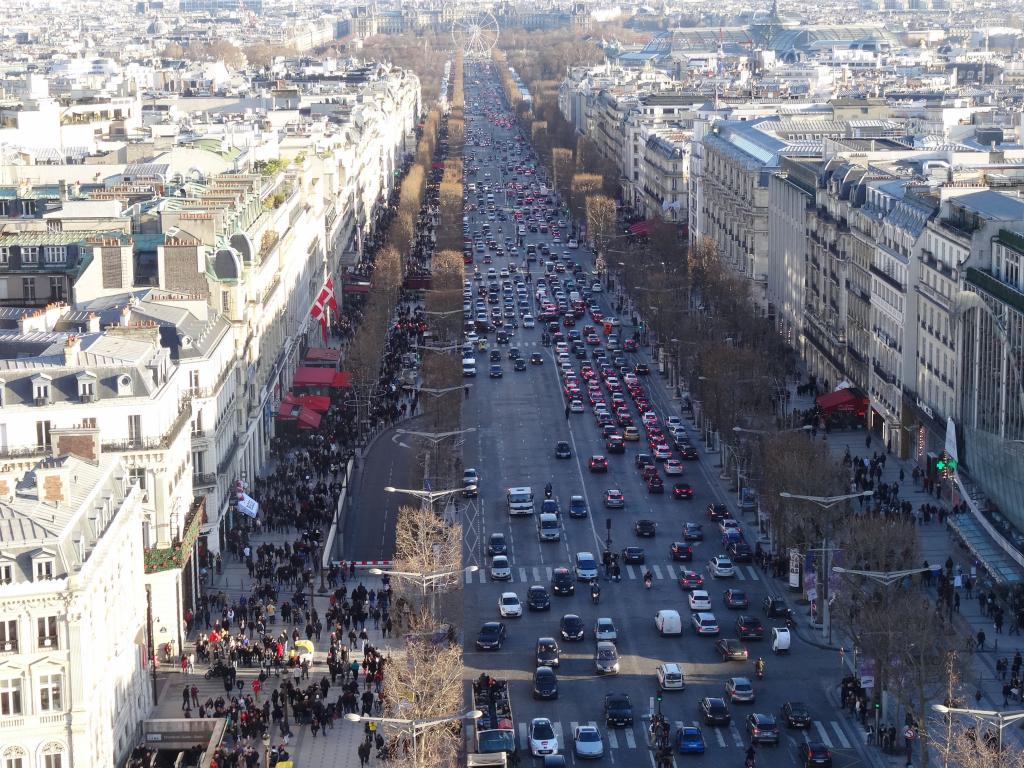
x: 606, y: 658
x: 587, y: 742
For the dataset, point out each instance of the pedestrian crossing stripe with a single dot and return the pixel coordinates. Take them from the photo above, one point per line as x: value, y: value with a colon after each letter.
x: 736, y: 737
x: 613, y: 740
x: 522, y: 575
x: 660, y: 572
x: 657, y: 571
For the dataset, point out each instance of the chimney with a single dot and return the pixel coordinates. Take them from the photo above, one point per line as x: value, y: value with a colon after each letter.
x: 71, y: 349
x: 94, y: 323
x: 83, y: 442
x: 62, y: 187
x: 53, y: 482
x: 8, y: 484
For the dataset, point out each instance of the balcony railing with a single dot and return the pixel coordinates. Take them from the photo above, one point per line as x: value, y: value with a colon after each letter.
x: 176, y: 555
x: 163, y: 441
x: 887, y: 278
x: 204, y: 480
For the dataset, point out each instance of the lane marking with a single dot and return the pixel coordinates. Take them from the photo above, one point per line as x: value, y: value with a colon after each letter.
x: 823, y: 733
x: 840, y: 735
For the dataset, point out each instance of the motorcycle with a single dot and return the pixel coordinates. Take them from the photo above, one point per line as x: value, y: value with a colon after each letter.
x: 217, y: 670
x: 547, y: 491
x: 648, y: 580
x: 759, y: 671
x: 595, y: 594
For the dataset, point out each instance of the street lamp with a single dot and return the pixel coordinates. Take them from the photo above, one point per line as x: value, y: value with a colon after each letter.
x: 885, y: 578
x: 435, y: 392
x: 825, y: 503
x: 804, y: 428
x: 425, y: 580
x: 437, y: 348
x: 444, y: 314
x: 1002, y: 719
x: 413, y: 727
x: 435, y: 437
x: 266, y: 750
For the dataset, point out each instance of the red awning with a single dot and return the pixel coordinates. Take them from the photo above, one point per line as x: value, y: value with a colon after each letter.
x: 323, y: 355
x: 355, y: 288
x: 308, y: 376
x: 842, y: 400
x: 318, y: 403
x: 308, y: 419
x: 288, y: 410
x: 342, y: 380
x: 641, y: 228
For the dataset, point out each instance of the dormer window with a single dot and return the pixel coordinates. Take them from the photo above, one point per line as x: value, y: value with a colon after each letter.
x: 55, y: 254
x: 41, y: 389
x: 43, y: 568
x: 5, y: 255
x: 87, y: 387
x: 124, y: 385
x: 29, y: 254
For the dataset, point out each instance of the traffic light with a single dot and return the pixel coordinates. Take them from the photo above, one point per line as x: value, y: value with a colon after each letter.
x: 659, y: 697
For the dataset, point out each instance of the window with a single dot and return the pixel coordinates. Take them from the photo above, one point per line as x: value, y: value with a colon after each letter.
x: 135, y: 429
x: 50, y: 693
x: 55, y: 254
x: 197, y: 425
x: 138, y: 476
x: 9, y: 635
x: 57, y: 289
x: 44, y: 569
x: 6, y: 574
x: 28, y: 288
x: 193, y: 379
x: 46, y: 629
x: 29, y: 254
x: 5, y: 255
x: 10, y: 698
x: 198, y: 462
x: 53, y: 760
x: 43, y: 434
x: 89, y: 423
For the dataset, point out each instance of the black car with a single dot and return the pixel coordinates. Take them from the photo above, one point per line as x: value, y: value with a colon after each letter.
x: 693, y: 532
x: 642, y: 369
x: 642, y: 460
x: 495, y: 356
x: 514, y: 353
x: 687, y: 452
x: 731, y: 650
x: 749, y: 628
x: 537, y: 598
x: 718, y: 511
x: 548, y: 652
x: 740, y: 552
x: 736, y: 599
x: 563, y: 582
x: 633, y: 556
x: 491, y: 637
x: 571, y: 627
x: 536, y: 359
x: 545, y: 683
x: 496, y: 544
x: 645, y: 528
x: 519, y: 364
x: 562, y: 450
x: 618, y: 710
x: 795, y: 714
x: 762, y: 729
x: 615, y: 444
x: 714, y: 711
x: 681, y: 551
x: 814, y: 754
x: 775, y: 607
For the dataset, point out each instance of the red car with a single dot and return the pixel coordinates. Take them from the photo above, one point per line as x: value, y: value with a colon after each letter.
x: 682, y: 491
x: 690, y: 580
x: 598, y: 464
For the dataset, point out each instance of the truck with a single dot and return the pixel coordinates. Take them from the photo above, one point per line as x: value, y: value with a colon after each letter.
x: 520, y: 501
x: 495, y: 730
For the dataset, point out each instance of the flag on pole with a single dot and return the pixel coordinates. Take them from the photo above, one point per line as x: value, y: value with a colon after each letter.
x: 248, y: 506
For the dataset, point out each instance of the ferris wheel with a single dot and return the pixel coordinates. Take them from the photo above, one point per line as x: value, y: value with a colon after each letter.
x: 475, y: 34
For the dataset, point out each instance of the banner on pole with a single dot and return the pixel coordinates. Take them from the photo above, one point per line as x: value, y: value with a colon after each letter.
x: 247, y: 505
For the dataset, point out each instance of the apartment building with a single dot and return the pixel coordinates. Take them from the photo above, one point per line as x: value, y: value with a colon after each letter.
x: 74, y: 663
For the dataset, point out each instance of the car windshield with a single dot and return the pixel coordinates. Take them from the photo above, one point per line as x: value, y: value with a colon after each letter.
x: 546, y: 646
x: 543, y: 731
x: 606, y: 653
x: 589, y: 736
x: 509, y: 600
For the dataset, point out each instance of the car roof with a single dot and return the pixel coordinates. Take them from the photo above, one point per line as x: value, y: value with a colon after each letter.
x: 669, y: 666
x: 509, y: 594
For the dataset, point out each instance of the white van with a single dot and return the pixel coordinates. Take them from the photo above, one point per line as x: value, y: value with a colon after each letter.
x: 469, y: 367
x: 548, y: 528
x: 668, y: 623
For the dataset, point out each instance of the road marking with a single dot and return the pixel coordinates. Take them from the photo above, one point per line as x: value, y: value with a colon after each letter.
x: 739, y: 573
x: 524, y: 735
x: 536, y: 573
x: 630, y: 739
x: 736, y: 737
x: 613, y: 740
x: 754, y: 575
x: 549, y: 571
x: 522, y: 575
x: 573, y: 725
x: 720, y: 735
x: 481, y: 576
x: 670, y: 572
x: 823, y: 733
x: 557, y: 726
x: 469, y: 577
x: 630, y: 572
x: 657, y: 571
x: 840, y: 735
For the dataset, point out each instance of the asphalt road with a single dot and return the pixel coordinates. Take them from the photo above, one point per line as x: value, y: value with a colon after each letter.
x: 518, y: 419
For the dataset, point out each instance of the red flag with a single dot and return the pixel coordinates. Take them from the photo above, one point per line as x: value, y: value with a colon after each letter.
x: 323, y: 328
x: 332, y: 300
x: 317, y: 310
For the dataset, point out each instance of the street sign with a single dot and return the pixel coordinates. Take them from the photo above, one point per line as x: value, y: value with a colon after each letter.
x: 794, y: 569
x: 909, y: 733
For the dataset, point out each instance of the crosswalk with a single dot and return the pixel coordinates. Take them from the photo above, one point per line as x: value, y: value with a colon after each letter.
x: 661, y: 572
x: 831, y: 734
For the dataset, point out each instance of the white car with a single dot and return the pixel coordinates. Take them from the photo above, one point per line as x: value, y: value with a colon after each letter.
x: 587, y: 742
x: 721, y: 567
x: 576, y: 406
x: 528, y: 321
x: 604, y: 629
x: 543, y: 740
x: 573, y: 243
x: 704, y: 623
x: 673, y: 421
x: 673, y: 467
x: 699, y: 600
x: 509, y: 605
x: 500, y: 568
x: 597, y: 288
x: 586, y: 566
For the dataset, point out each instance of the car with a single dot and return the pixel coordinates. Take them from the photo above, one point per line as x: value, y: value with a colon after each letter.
x: 606, y: 658
x: 739, y: 689
x: 687, y: 452
x: 740, y: 552
x: 562, y: 450
x: 731, y: 650
x: 614, y: 499
x: 718, y: 511
x: 500, y: 568
x: 655, y: 484
x: 682, y: 491
x: 630, y: 433
x: 562, y: 582
x: 604, y: 629
x: 550, y: 507
x: 587, y: 742
x: 680, y: 551
x: 575, y: 406
x: 775, y: 607
x: 597, y: 463
x: 642, y: 460
x: 670, y: 677
x: 813, y: 753
x: 633, y: 555
x: 614, y: 444
x: 519, y: 364
x: 795, y: 714
x: 645, y: 528
x: 690, y: 580
x: 536, y: 359
x: 543, y: 740
x: 577, y: 506
x: 528, y: 321
x: 494, y: 356
x: 537, y: 598
x: 571, y: 627
x: 749, y: 627
x: 545, y: 683
x: 690, y: 740
x: 699, y: 600
x: 618, y: 710
x: 470, y: 483
x: 491, y: 637
x: 714, y: 711
x: 730, y: 529
x: 736, y: 599
x: 692, y: 532
x: 762, y: 728
x: 586, y: 566
x: 509, y: 605
x: 704, y: 623
x: 496, y: 544
x: 548, y: 653
x: 673, y: 467
x: 721, y: 567
x: 641, y: 369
